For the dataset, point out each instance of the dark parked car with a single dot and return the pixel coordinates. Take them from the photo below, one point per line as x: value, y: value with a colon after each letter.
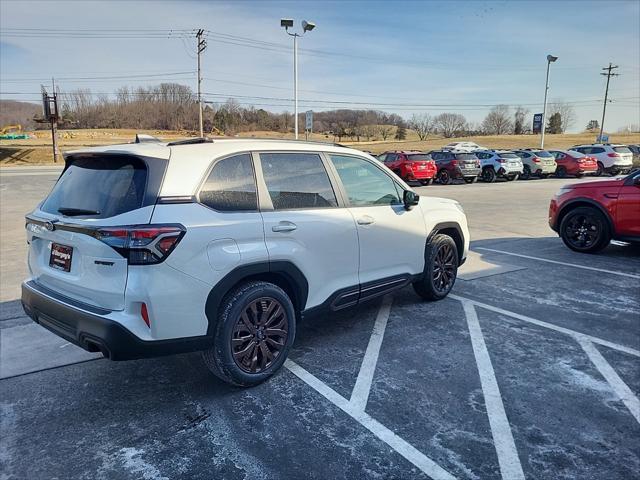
x: 455, y: 164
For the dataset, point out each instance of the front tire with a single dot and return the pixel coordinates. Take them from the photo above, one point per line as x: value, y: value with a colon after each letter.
x: 585, y: 230
x: 440, y: 268
x: 255, y: 331
x: 561, y: 172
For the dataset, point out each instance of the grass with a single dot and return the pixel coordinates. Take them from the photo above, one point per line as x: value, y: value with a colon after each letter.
x: 37, y: 150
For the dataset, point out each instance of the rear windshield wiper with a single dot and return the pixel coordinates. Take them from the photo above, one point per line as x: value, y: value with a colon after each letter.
x: 71, y: 211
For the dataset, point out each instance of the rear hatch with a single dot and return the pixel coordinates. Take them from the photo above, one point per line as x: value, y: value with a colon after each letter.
x: 511, y: 160
x: 68, y: 250
x: 421, y: 162
x: 625, y: 155
x: 546, y: 159
x: 468, y: 161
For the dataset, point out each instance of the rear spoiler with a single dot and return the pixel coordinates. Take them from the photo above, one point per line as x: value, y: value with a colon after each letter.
x: 144, y: 138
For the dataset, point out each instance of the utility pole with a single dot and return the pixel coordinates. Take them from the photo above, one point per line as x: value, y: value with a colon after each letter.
x: 606, y: 94
x: 201, y: 46
x: 50, y: 113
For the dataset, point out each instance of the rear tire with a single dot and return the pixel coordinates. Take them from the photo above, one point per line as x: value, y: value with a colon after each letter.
x: 526, y: 173
x: 489, y: 175
x: 561, y: 172
x: 544, y: 175
x: 600, y: 170
x: 426, y: 182
x: 443, y: 177
x: 440, y: 268
x: 255, y: 331
x: 585, y: 230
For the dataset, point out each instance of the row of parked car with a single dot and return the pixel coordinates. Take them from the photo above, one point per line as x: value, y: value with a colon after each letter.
x: 469, y: 161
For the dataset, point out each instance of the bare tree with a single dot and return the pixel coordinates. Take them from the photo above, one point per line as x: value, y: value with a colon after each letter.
x: 385, y: 131
x: 566, y: 111
x: 519, y: 120
x: 450, y: 124
x: 422, y: 124
x: 498, y: 121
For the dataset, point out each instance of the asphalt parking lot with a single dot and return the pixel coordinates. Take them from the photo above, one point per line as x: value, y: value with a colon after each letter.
x: 530, y: 369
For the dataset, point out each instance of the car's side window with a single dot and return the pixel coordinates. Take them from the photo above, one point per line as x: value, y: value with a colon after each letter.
x: 597, y: 150
x: 383, y: 157
x: 365, y: 183
x: 297, y: 180
x: 231, y: 185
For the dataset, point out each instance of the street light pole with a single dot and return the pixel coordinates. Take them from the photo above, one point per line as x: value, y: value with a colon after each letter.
x: 550, y: 59
x: 287, y: 23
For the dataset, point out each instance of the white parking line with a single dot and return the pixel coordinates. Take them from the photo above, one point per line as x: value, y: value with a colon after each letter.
x: 408, y: 451
x: 584, y: 267
x: 361, y: 390
x: 510, y: 466
x: 551, y: 326
x: 617, y: 384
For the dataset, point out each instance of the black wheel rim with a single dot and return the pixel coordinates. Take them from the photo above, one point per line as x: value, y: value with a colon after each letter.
x: 444, y: 177
x: 444, y: 269
x: 582, y: 231
x: 259, y: 335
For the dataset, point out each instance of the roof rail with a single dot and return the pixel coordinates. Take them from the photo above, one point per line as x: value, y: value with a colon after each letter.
x: 190, y: 141
x: 144, y: 138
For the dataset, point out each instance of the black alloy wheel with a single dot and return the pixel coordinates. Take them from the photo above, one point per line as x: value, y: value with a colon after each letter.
x: 585, y: 230
x: 444, y: 268
x: 443, y: 177
x: 489, y: 175
x: 259, y: 335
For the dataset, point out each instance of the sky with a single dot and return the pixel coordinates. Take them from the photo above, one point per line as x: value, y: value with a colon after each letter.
x: 398, y: 56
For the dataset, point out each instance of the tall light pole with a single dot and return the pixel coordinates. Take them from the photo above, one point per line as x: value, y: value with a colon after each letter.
x: 550, y: 60
x: 287, y: 23
x: 609, y: 74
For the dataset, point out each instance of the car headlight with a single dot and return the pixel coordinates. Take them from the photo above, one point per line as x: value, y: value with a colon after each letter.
x: 459, y: 207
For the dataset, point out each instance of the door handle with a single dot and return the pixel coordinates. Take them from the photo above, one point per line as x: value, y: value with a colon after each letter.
x: 284, y: 227
x: 366, y: 220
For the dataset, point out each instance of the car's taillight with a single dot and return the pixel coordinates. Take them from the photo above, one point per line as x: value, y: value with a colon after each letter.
x: 613, y: 155
x: 142, y: 244
x: 535, y: 160
x: 454, y: 163
x: 477, y: 163
x: 502, y: 160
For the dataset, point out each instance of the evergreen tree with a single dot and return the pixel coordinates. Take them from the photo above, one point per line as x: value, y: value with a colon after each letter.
x: 401, y: 132
x: 555, y: 124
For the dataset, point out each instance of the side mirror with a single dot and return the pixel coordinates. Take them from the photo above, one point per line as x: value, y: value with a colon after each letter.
x: 410, y: 199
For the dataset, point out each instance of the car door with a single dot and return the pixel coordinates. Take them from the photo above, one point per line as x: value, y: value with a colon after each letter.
x: 305, y: 224
x: 392, y: 162
x: 628, y: 207
x: 392, y: 239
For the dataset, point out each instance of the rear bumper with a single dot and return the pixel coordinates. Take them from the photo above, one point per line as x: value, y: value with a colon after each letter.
x: 420, y: 174
x: 87, y: 327
x: 467, y: 172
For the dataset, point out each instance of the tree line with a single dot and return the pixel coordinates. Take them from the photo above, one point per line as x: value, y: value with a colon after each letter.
x: 172, y: 106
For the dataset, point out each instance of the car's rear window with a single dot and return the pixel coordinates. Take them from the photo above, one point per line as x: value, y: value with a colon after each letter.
x: 419, y: 157
x: 466, y: 156
x: 107, y: 185
x: 543, y: 154
x: 622, y: 150
x: 508, y: 155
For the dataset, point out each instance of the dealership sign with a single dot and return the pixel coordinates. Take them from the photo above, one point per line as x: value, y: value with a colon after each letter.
x: 537, y: 123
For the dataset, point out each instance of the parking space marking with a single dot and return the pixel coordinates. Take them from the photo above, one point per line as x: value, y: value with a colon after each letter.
x: 584, y: 267
x: 617, y: 384
x: 508, y: 459
x: 360, y: 394
x: 401, y: 446
x: 551, y: 326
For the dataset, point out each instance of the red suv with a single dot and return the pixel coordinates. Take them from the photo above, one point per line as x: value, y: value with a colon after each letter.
x: 588, y: 215
x: 410, y: 165
x: 570, y: 162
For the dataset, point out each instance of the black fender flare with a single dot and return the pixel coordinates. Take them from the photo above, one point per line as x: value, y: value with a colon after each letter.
x: 571, y: 204
x: 291, y: 274
x: 447, y: 226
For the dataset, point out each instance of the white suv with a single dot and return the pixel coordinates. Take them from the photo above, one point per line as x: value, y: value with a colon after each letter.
x: 499, y: 163
x: 150, y: 249
x: 463, y: 146
x: 612, y: 158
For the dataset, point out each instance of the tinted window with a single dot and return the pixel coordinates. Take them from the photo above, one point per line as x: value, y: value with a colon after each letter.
x: 297, y: 180
x: 231, y: 185
x: 508, y: 155
x: 621, y: 150
x: 365, y: 183
x: 524, y: 154
x: 466, y: 156
x: 597, y: 150
x: 418, y: 157
x: 543, y: 154
x: 101, y: 186
x: 392, y: 157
